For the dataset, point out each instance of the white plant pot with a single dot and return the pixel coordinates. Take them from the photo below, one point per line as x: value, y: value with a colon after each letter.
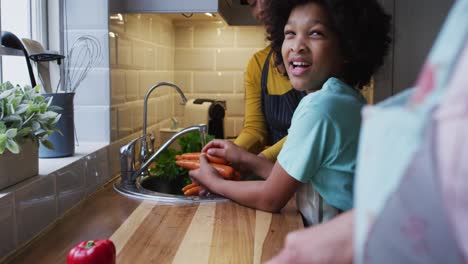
x: 17, y: 167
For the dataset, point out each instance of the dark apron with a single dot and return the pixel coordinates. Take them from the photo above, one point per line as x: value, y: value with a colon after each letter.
x: 277, y: 109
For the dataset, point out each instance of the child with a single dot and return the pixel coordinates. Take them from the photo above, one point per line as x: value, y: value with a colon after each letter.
x: 330, y: 48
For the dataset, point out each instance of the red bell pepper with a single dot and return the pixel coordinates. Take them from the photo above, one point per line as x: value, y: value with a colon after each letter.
x: 92, y: 252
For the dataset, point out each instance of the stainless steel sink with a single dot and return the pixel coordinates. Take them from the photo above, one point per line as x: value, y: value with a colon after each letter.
x: 135, y: 182
x: 161, y: 193
x: 138, y: 155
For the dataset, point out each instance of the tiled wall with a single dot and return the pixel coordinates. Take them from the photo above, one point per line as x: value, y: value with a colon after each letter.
x: 210, y: 60
x: 141, y: 55
x: 92, y: 99
x: 206, y: 59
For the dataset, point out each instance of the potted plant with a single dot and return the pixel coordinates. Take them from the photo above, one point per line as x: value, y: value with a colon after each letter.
x: 26, y: 118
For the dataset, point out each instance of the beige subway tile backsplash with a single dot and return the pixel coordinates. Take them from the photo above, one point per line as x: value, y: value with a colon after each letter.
x: 118, y: 86
x: 132, y: 85
x: 146, y: 80
x: 165, y: 60
x: 233, y: 126
x: 146, y: 27
x: 124, y: 52
x: 156, y: 29
x: 195, y: 59
x: 250, y: 37
x: 152, y: 111
x: 235, y: 104
x: 167, y: 34
x: 113, y: 50
x: 239, y: 82
x: 184, y: 79
x: 165, y: 108
x: 184, y: 36
x: 143, y: 56
x: 229, y: 128
x: 205, y: 59
x: 239, y: 124
x: 213, y: 35
x: 137, y: 115
x: 124, y: 116
x: 213, y: 82
x: 149, y: 78
x: 233, y: 59
x: 132, y: 25
x: 177, y: 106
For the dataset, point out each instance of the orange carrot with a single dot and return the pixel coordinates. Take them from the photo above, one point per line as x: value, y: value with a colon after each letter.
x: 196, y: 156
x: 192, y: 191
x: 188, y: 164
x: 236, y: 176
x: 225, y: 171
x: 189, y: 186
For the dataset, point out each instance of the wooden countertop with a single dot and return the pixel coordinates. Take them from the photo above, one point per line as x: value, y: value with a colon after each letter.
x: 148, y: 232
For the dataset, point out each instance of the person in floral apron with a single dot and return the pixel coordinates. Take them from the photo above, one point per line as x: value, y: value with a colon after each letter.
x: 411, y: 192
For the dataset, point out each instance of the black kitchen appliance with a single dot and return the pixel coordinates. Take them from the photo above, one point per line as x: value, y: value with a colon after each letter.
x: 216, y: 113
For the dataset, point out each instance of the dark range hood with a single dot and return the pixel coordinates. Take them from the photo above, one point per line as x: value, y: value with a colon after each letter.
x: 233, y: 12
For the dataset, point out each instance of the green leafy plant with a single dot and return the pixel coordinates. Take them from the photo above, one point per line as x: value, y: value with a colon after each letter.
x: 192, y: 142
x: 165, y: 167
x: 25, y: 115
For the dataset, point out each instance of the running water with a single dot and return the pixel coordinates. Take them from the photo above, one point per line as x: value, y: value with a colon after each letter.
x: 203, y: 131
x: 202, y: 139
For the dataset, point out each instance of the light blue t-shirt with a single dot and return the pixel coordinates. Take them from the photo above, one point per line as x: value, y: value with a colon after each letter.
x: 322, y: 142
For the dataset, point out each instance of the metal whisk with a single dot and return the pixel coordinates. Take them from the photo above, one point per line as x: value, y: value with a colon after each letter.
x: 84, y: 54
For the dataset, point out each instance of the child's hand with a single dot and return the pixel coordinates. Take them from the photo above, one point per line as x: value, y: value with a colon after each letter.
x: 225, y: 149
x: 206, y: 174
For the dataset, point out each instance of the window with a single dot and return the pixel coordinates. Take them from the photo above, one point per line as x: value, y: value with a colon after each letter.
x: 25, y: 19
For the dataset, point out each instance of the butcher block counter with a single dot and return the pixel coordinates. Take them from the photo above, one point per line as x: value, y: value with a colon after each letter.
x: 148, y: 232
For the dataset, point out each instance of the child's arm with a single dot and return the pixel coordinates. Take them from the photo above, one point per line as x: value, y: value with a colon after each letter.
x: 270, y: 195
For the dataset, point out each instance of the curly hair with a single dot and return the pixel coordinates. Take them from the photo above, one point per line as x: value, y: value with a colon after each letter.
x: 362, y: 26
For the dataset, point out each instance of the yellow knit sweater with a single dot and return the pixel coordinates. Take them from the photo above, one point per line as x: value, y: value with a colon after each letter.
x: 253, y: 135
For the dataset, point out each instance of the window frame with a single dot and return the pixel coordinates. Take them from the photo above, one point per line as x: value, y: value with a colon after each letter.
x: 37, y: 23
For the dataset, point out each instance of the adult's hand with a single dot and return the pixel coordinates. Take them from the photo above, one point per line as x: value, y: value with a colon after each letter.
x: 227, y: 150
x: 331, y: 242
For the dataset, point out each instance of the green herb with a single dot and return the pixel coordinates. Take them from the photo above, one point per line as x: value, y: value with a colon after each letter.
x: 165, y: 167
x: 192, y: 142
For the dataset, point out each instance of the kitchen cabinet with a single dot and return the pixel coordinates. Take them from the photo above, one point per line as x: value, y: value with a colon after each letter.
x: 416, y: 24
x: 234, y: 12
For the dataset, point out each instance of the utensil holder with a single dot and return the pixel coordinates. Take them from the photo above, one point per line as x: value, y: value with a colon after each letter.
x: 64, y: 144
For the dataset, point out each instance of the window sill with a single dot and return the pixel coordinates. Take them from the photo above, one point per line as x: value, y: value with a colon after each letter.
x: 50, y: 165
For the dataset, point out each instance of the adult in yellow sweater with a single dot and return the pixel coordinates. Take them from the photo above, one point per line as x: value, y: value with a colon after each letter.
x: 268, y: 109
x: 270, y: 100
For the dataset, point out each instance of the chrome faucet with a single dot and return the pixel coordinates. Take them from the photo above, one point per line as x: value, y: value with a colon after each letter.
x: 128, y: 164
x: 146, y: 148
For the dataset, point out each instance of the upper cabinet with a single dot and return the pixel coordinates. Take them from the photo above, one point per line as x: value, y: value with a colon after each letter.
x: 233, y: 12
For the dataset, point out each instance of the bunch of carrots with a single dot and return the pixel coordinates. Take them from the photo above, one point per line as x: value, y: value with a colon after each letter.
x: 191, y: 161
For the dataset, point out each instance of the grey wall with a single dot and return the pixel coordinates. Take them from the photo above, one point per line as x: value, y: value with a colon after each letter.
x: 416, y: 24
